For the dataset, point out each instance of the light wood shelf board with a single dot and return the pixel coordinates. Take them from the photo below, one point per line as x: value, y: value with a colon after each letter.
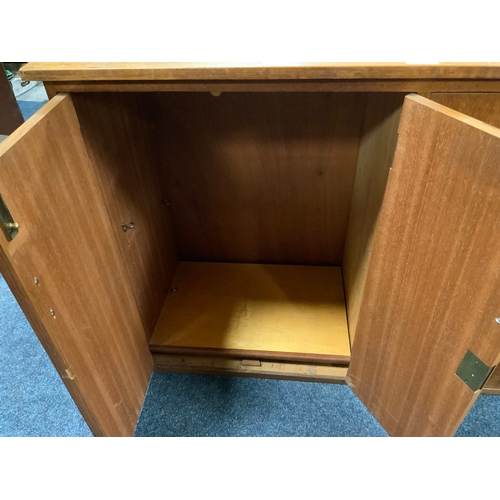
x: 263, y: 309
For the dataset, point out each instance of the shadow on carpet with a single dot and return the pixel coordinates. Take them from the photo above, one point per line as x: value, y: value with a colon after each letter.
x: 202, y: 405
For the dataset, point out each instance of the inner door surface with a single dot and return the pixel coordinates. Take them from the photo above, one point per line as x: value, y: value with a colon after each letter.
x: 433, y: 286
x: 65, y: 269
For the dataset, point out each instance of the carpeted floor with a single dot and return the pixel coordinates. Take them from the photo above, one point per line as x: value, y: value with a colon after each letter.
x: 29, y: 108
x: 34, y: 401
x: 233, y: 406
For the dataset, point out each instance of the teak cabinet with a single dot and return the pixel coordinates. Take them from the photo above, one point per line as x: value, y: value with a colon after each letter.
x: 327, y: 222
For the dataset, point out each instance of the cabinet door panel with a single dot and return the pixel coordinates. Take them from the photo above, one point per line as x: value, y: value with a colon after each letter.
x: 433, y: 285
x: 65, y: 269
x: 484, y: 107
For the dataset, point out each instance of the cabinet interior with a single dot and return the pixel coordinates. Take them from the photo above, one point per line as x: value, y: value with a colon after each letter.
x: 253, y: 213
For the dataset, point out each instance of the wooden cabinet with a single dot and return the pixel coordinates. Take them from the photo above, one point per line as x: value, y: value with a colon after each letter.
x: 318, y: 222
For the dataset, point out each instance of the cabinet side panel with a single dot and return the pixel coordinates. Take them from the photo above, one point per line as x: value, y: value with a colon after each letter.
x: 376, y: 153
x: 260, y: 177
x: 118, y: 133
x: 66, y: 270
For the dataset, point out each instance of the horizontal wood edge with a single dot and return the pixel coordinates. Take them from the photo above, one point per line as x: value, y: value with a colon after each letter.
x: 248, y: 354
x: 255, y: 71
x: 28, y: 125
x: 466, y: 119
x: 321, y: 85
x: 491, y: 391
x: 234, y: 367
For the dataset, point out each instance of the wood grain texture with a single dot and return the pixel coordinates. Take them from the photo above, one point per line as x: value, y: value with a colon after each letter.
x: 433, y: 285
x: 236, y: 71
x: 241, y: 368
x: 118, y: 134
x: 392, y: 85
x: 266, y: 309
x: 52, y: 90
x: 484, y: 107
x: 10, y: 114
x: 252, y: 354
x: 260, y: 178
x: 94, y: 335
x: 376, y: 153
x: 492, y: 385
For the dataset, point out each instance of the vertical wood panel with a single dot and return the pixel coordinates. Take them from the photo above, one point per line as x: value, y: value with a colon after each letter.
x: 433, y: 285
x: 260, y: 178
x: 376, y: 152
x: 83, y: 308
x: 118, y: 132
x: 484, y: 107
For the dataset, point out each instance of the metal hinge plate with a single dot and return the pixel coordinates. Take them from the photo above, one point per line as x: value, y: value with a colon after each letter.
x: 9, y: 227
x: 473, y: 372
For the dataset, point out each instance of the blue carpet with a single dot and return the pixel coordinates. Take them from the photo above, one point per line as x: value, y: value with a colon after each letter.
x: 484, y: 418
x: 35, y: 402
x: 201, y: 405
x: 33, y: 398
x: 28, y: 108
x: 231, y: 406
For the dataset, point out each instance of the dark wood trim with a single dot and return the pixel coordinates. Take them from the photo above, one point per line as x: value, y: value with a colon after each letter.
x: 389, y: 85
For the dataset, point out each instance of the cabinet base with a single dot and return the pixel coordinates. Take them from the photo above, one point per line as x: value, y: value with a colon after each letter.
x: 249, y: 368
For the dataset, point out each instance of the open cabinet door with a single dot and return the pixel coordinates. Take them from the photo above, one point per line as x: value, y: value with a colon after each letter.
x: 432, y: 292
x: 65, y: 270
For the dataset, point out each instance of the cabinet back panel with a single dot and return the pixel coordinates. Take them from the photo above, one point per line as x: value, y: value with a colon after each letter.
x: 260, y: 178
x: 117, y: 129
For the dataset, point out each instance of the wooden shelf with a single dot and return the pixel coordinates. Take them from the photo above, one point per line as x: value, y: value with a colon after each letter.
x: 254, y: 310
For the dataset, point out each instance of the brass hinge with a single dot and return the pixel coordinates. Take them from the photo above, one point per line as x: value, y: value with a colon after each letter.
x: 9, y: 227
x: 473, y: 372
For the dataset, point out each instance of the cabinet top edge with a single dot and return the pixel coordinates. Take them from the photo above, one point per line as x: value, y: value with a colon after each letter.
x: 58, y: 71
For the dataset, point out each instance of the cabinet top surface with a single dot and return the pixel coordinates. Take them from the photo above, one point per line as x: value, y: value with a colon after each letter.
x: 256, y: 71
